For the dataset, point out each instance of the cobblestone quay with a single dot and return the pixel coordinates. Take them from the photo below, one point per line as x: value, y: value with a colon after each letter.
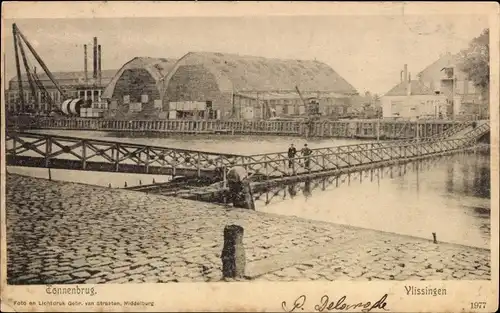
x: 61, y: 232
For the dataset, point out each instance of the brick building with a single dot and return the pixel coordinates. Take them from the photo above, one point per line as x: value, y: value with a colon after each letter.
x: 137, y: 89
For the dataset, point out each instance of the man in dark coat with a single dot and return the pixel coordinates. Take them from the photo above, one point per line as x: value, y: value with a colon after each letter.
x: 306, y: 152
x: 291, y: 155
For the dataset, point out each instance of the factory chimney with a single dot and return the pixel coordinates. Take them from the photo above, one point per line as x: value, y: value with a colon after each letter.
x: 409, y: 83
x: 401, y: 76
x: 85, y: 66
x: 95, y: 59
x: 405, y: 76
x: 99, y: 68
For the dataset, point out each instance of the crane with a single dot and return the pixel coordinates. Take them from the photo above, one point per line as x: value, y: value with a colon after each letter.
x: 312, y: 106
x: 312, y: 111
x: 34, y: 81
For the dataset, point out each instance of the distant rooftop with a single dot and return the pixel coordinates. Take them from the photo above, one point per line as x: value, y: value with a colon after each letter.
x: 253, y: 73
x: 417, y: 88
x: 70, y: 75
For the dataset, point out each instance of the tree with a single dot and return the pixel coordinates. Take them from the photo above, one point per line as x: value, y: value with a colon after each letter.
x: 475, y: 61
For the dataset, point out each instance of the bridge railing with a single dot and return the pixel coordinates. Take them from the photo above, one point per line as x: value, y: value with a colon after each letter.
x: 369, y: 145
x: 42, y: 150
x: 348, y: 157
x: 479, y: 130
x: 454, y: 129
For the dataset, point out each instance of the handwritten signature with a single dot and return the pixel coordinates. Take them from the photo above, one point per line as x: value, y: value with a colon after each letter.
x: 326, y: 304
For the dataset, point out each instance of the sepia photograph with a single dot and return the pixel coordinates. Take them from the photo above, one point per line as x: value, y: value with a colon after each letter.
x: 249, y: 149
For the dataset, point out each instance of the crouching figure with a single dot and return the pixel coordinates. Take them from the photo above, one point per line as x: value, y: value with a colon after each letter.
x: 240, y: 191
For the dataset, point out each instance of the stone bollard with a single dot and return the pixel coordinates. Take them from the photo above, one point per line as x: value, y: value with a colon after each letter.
x: 233, y: 253
x: 434, y: 237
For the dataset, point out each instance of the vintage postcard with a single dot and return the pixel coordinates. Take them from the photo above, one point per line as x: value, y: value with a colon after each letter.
x: 249, y: 156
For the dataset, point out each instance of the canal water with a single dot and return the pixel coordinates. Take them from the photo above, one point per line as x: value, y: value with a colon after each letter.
x: 449, y: 195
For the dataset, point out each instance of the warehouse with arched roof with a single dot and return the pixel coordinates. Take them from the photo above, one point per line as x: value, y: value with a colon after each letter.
x: 250, y: 87
x: 137, y: 88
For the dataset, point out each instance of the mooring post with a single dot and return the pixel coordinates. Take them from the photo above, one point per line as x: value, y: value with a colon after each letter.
x: 233, y: 252
x: 125, y: 185
x: 434, y: 237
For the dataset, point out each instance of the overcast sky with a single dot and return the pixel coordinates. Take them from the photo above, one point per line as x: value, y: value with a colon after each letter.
x: 368, y: 51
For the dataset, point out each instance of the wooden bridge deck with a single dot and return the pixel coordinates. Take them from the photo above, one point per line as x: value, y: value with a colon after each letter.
x: 41, y: 150
x: 278, y: 189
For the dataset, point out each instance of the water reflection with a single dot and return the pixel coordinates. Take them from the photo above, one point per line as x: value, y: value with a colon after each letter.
x: 447, y: 195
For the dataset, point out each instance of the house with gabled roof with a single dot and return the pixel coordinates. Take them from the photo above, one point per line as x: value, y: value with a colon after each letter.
x: 411, y: 99
x: 444, y: 75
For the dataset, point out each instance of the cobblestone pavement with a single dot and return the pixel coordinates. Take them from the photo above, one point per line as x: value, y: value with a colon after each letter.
x: 72, y: 233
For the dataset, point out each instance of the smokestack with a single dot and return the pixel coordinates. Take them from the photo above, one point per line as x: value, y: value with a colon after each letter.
x: 409, y: 83
x: 405, y: 76
x: 401, y: 76
x: 99, y: 69
x: 95, y: 58
x: 85, y: 63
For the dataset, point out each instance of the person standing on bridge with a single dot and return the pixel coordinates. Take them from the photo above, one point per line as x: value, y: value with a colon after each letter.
x: 306, y: 152
x: 291, y: 155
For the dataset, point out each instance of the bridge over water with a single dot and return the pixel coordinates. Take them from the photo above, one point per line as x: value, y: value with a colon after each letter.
x: 270, y: 169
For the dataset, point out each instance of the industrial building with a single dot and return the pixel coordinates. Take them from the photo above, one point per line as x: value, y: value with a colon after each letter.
x: 137, y: 89
x: 73, y: 84
x: 206, y: 85
x: 46, y: 97
x: 250, y: 87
